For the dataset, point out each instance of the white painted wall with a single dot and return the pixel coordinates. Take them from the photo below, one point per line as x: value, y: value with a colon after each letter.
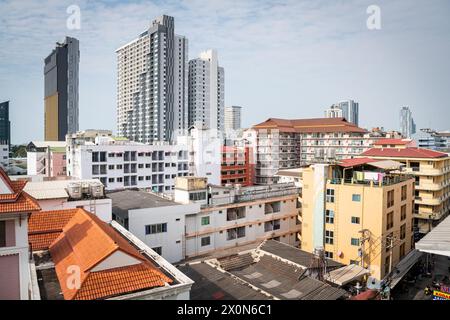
x: 103, y: 207
x: 170, y: 241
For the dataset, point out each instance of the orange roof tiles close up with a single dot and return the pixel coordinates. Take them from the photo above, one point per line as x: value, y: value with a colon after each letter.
x: 17, y: 201
x: 45, y: 226
x: 319, y: 125
x: 81, y: 239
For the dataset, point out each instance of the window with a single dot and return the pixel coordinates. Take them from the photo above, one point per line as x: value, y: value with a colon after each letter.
x: 356, y: 197
x: 329, y: 216
x: 402, y: 250
x: 330, y: 195
x: 355, y: 262
x: 404, y: 190
x: 156, y: 228
x: 403, y: 213
x: 2, y: 234
x: 206, y: 241
x: 329, y: 237
x: 110, y: 180
x: 354, y: 242
x: 195, y: 196
x: 205, y: 221
x: 390, y: 220
x: 403, y: 232
x: 390, y: 198
x: 158, y: 250
x: 356, y: 220
x: 328, y: 255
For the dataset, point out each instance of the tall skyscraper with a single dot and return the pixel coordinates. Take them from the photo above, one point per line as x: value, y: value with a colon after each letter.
x: 61, y: 90
x: 152, y: 84
x: 347, y: 109
x: 407, y: 124
x: 206, y: 91
x: 5, y: 124
x: 233, y: 118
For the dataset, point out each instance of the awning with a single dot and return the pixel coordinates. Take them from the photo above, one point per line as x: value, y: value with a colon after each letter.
x: 437, y: 241
x: 402, y: 268
x: 387, y: 164
x: 346, y: 274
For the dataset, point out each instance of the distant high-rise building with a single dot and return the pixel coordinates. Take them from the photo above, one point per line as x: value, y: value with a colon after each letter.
x: 334, y: 112
x: 347, y: 109
x: 61, y: 90
x: 206, y: 92
x: 5, y: 124
x: 152, y: 84
x: 233, y: 118
x: 407, y: 124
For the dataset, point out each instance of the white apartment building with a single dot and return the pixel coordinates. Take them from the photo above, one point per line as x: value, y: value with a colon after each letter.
x: 71, y: 194
x: 285, y: 144
x: 334, y: 112
x: 206, y: 91
x: 119, y: 163
x: 205, y: 152
x: 233, y: 118
x: 152, y: 84
x: 201, y: 218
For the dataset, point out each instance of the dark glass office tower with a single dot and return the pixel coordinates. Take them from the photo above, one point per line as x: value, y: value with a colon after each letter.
x: 5, y: 125
x: 61, y: 90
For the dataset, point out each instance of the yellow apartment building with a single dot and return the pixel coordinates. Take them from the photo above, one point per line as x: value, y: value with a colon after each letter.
x: 359, y: 213
x: 431, y: 170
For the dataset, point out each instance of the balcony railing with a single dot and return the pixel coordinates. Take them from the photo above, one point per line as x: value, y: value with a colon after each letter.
x: 387, y: 181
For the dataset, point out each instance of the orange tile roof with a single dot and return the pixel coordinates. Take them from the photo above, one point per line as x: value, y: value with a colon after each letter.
x: 17, y: 201
x: 392, y: 142
x: 79, y: 238
x: 47, y: 221
x: 45, y: 226
x: 310, y: 125
x: 41, y: 241
x: 113, y: 282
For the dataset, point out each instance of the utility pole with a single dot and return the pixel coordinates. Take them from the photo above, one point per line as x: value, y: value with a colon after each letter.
x: 364, y: 238
x: 391, y: 250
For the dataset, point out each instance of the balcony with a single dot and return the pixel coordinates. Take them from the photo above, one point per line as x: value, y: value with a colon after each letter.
x: 387, y: 181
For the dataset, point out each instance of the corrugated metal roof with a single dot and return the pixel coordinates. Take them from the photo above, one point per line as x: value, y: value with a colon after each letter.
x: 52, y: 144
x: 437, y: 241
x: 41, y: 190
x: 346, y: 274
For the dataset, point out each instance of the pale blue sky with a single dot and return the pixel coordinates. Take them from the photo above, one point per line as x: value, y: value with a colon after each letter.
x: 288, y: 58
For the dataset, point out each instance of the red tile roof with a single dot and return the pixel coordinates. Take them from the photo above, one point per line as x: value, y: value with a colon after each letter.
x: 17, y: 201
x: 392, y: 142
x: 310, y: 125
x: 403, y: 153
x: 355, y: 162
x: 86, y: 241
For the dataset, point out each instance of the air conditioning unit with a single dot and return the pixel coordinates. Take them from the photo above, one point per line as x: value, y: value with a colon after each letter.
x: 96, y: 190
x: 74, y: 190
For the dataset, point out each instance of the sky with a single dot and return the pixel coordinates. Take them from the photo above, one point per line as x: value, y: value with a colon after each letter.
x: 282, y: 58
